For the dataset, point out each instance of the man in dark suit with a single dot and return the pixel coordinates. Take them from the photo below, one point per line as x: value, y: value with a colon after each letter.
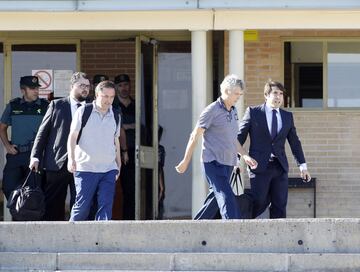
x: 268, y: 127
x: 50, y: 149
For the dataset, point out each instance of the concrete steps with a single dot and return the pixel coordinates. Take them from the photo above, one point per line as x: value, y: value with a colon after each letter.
x: 20, y: 261
x: 235, y: 245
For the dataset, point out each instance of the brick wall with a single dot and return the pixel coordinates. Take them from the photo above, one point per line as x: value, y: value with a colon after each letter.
x: 109, y: 57
x: 330, y: 139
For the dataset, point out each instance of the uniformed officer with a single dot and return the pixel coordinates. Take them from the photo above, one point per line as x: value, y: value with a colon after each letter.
x: 24, y: 115
x: 96, y: 80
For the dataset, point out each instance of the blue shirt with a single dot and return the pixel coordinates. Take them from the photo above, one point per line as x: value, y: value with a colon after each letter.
x: 24, y: 120
x: 220, y: 136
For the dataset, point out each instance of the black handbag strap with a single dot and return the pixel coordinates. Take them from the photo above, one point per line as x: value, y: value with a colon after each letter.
x: 28, y: 178
x: 235, y: 176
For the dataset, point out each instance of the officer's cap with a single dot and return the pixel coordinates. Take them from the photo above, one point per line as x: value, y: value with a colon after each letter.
x: 30, y: 81
x: 121, y: 78
x: 98, y: 78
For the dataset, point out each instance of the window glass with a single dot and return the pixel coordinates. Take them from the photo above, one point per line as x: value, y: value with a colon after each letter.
x: 303, y: 71
x: 26, y: 58
x: 343, y: 73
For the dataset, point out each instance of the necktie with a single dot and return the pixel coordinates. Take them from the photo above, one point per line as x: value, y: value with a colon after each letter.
x: 274, y: 125
x: 78, y: 105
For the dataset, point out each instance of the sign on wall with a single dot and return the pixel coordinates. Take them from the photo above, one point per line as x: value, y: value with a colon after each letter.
x: 45, y: 80
x: 54, y: 83
x: 62, y: 82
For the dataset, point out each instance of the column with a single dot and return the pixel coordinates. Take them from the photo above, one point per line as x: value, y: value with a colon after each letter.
x: 236, y: 61
x: 201, y: 64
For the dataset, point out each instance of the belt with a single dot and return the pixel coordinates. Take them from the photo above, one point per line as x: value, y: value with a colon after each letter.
x: 272, y: 159
x: 24, y: 148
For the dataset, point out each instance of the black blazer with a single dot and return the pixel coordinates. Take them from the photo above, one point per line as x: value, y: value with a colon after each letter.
x: 51, y: 139
x: 254, y: 123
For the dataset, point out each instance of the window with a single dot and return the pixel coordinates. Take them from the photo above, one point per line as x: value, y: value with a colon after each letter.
x: 303, y: 71
x: 28, y: 57
x: 343, y: 73
x: 306, y: 63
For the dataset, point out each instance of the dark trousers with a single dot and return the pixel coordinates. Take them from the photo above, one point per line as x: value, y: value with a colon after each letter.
x: 218, y: 176
x: 270, y: 186
x: 91, y: 185
x: 127, y: 177
x: 55, y: 190
x: 15, y: 172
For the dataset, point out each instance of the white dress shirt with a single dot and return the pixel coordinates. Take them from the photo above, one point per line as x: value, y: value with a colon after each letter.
x: 73, y: 105
x: 269, y: 116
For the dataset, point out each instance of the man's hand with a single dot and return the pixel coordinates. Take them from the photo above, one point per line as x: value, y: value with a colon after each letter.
x: 250, y: 161
x: 11, y: 149
x: 305, y: 175
x: 129, y: 126
x: 71, y: 166
x: 182, y: 166
x: 34, y: 165
x: 124, y: 157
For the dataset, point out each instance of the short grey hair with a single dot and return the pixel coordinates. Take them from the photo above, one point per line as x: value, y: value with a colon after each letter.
x: 230, y: 82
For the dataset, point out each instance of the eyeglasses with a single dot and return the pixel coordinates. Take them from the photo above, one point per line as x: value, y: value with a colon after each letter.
x: 229, y: 116
x: 240, y: 83
x: 84, y: 86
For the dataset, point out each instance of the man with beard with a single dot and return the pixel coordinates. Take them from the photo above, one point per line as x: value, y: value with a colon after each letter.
x: 50, y: 149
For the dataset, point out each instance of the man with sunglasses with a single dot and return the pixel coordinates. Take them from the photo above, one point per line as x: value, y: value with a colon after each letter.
x: 50, y: 150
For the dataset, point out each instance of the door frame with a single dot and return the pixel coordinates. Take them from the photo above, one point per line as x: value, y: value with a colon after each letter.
x: 145, y: 156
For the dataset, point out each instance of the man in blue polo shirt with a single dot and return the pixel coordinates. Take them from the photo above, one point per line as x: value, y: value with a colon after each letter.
x: 24, y: 115
x: 218, y: 126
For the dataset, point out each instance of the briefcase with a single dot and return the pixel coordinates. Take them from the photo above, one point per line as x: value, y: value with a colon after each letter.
x: 27, y: 203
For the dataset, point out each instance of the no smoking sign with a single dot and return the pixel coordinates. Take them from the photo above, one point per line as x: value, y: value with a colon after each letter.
x: 45, y: 79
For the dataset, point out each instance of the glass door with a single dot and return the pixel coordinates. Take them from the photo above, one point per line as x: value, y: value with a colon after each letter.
x: 146, y: 139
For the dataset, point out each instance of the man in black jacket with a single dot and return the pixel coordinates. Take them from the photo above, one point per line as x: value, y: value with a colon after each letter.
x: 269, y: 127
x: 50, y: 147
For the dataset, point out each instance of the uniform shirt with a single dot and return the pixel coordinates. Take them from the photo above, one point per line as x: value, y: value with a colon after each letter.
x: 24, y: 120
x: 96, y: 150
x: 128, y: 117
x: 220, y: 136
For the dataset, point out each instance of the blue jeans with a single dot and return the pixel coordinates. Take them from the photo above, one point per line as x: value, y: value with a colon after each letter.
x: 88, y: 185
x: 218, y: 176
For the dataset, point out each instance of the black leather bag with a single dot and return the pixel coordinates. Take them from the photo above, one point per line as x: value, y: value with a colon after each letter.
x: 242, y: 196
x: 27, y: 203
x: 244, y: 200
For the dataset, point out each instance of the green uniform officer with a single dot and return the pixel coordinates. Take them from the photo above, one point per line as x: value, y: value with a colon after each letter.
x: 24, y: 115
